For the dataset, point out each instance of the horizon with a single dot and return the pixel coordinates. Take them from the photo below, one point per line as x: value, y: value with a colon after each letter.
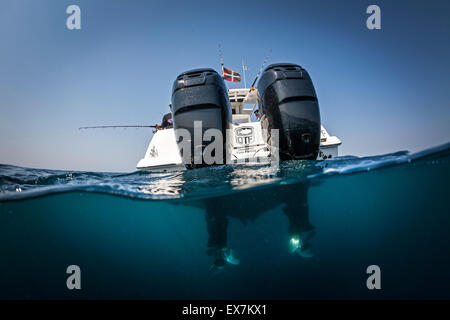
x: 437, y: 148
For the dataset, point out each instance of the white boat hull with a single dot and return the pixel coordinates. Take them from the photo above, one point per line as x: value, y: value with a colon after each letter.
x: 162, y: 154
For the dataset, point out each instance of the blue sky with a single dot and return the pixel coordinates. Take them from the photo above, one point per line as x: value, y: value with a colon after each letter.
x: 379, y: 91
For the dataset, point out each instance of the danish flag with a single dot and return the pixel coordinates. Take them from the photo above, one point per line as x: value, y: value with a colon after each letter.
x: 230, y: 75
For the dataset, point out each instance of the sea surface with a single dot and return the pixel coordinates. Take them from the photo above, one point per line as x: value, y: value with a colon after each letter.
x: 300, y: 230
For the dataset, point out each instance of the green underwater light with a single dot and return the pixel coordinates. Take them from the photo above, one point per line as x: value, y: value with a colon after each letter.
x: 294, y: 244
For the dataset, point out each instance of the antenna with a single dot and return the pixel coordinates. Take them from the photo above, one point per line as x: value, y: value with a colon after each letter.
x: 220, y: 58
x: 107, y: 127
x: 244, y: 68
x: 260, y: 69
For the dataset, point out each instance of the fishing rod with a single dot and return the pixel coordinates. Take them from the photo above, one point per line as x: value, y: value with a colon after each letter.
x: 107, y: 127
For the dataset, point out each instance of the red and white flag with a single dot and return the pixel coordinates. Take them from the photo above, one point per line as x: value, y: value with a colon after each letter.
x: 230, y: 75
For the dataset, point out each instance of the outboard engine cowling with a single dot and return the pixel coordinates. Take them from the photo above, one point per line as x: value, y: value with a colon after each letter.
x: 289, y: 104
x: 200, y: 95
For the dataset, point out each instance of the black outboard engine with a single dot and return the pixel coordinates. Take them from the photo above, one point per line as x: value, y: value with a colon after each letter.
x: 200, y: 95
x: 289, y: 104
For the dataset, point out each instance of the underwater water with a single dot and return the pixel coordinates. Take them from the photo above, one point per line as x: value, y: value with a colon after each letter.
x: 303, y: 230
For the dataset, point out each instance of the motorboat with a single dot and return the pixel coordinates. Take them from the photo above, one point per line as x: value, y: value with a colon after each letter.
x: 284, y: 100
